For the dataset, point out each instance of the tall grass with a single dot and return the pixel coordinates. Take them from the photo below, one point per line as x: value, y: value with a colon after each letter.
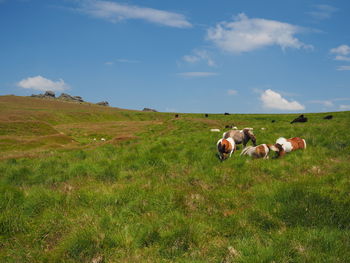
x: 166, y: 197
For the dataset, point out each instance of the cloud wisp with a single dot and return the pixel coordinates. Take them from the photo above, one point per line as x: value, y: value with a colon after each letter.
x: 343, y: 68
x: 42, y: 84
x: 330, y: 102
x: 122, y: 60
x: 344, y: 107
x: 115, y: 12
x: 342, y: 50
x: 326, y: 103
x: 342, y: 58
x: 197, y: 74
x: 198, y: 56
x: 322, y: 12
x: 273, y: 100
x: 246, y: 34
x: 342, y: 53
x: 232, y: 92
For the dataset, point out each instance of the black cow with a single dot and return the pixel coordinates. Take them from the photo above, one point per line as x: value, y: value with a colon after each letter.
x: 226, y: 113
x: 176, y: 115
x: 206, y: 115
x: 301, y: 118
x: 328, y: 117
x: 273, y: 121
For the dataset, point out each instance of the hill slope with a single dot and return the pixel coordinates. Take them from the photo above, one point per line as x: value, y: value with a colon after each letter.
x: 161, y: 194
x: 29, y: 126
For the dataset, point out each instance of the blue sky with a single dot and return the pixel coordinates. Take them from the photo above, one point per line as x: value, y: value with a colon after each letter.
x: 204, y: 56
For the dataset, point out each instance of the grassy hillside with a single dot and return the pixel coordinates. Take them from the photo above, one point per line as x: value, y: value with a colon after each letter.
x: 29, y: 126
x: 155, y: 191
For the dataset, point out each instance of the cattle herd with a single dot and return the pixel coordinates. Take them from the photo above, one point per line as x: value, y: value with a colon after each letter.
x: 227, y: 145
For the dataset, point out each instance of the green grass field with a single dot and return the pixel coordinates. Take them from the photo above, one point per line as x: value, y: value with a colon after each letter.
x: 155, y: 191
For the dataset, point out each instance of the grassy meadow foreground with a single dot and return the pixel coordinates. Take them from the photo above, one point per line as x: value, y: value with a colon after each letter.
x: 155, y: 191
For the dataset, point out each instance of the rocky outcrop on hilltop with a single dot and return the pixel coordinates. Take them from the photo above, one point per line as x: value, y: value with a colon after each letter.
x: 48, y: 94
x: 148, y: 109
x: 65, y: 96
x: 103, y: 103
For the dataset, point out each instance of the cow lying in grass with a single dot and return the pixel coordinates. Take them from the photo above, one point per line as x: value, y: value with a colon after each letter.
x: 225, y: 148
x: 242, y: 136
x: 281, y: 147
x: 261, y: 151
x: 289, y: 145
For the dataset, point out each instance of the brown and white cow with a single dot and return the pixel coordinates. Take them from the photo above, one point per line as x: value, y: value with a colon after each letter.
x: 261, y: 151
x: 289, y: 145
x: 225, y: 148
x: 241, y: 136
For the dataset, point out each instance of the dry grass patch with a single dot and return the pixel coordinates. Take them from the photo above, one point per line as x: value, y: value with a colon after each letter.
x: 112, y: 131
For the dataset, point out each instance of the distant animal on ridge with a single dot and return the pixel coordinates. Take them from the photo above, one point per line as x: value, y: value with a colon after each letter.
x: 176, y: 115
x: 328, y: 117
x: 241, y: 136
x: 301, y: 118
x: 225, y: 148
x: 289, y: 145
x: 206, y: 115
x: 226, y: 113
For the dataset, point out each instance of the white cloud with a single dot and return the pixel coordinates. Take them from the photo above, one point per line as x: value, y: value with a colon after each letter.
x: 190, y: 58
x: 342, y: 68
x: 341, y: 53
x: 344, y: 107
x: 42, y: 84
x: 109, y: 63
x: 232, y: 92
x: 115, y: 12
x: 199, y: 55
x: 197, y: 74
x: 342, y: 58
x: 246, y: 34
x: 323, y: 12
x: 341, y: 50
x: 274, y: 100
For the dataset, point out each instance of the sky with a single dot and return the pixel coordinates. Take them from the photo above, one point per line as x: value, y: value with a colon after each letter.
x: 237, y: 56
